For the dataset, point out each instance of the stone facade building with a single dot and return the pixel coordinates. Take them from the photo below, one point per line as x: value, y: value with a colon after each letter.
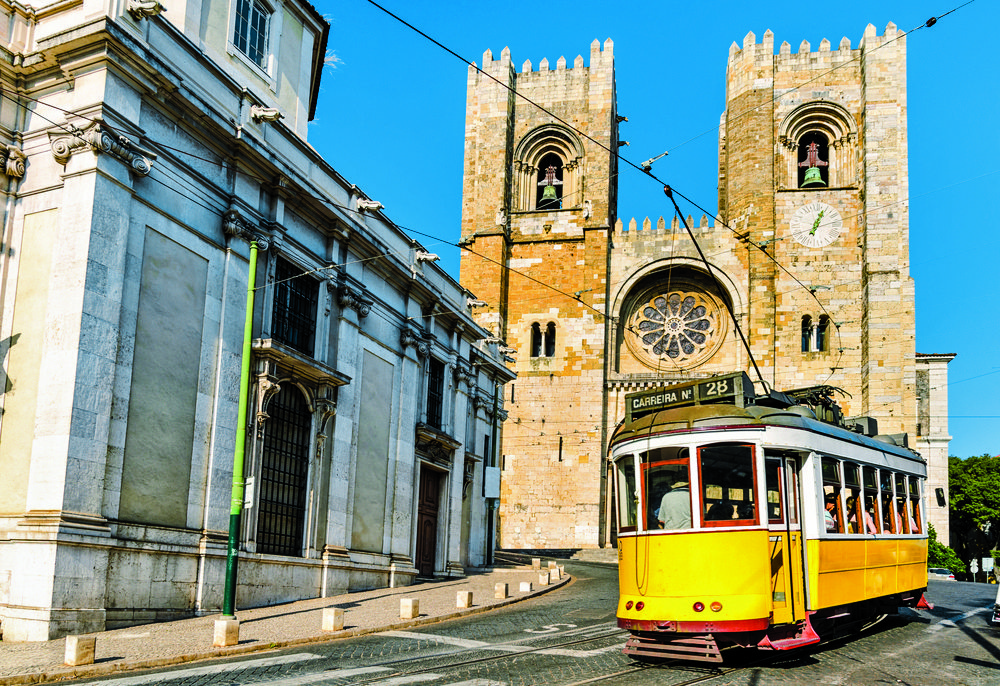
x: 810, y: 252
x: 142, y: 150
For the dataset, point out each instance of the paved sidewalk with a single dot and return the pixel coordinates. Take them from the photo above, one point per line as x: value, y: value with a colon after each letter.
x: 169, y: 643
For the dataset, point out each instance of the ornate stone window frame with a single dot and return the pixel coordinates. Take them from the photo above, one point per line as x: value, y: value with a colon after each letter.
x: 539, y: 142
x: 841, y: 132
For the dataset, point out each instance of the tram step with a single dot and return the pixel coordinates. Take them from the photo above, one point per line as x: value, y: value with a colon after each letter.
x: 701, y: 648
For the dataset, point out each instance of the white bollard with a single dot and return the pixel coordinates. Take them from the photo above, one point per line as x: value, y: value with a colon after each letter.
x: 227, y: 633
x: 80, y: 650
x: 333, y: 619
x: 409, y: 608
x: 562, y: 571
x: 554, y: 574
x: 464, y: 599
x: 536, y: 563
x: 543, y: 579
x: 500, y: 590
x: 525, y: 587
x: 552, y: 564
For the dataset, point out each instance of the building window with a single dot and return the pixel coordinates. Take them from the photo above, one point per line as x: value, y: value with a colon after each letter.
x: 814, y: 161
x: 818, y: 142
x: 815, y: 336
x: 547, y: 170
x: 435, y: 393
x: 550, y: 185
x: 250, y: 36
x: 284, y: 474
x: 294, y: 314
x: 543, y: 343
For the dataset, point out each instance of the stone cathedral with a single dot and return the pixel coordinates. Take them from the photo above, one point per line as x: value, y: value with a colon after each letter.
x: 810, y: 251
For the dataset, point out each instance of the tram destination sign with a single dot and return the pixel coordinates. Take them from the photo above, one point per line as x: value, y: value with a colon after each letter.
x: 733, y: 388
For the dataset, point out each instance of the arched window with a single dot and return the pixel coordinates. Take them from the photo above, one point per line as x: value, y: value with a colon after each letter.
x: 536, y: 340
x: 822, y: 333
x: 807, y: 332
x: 814, y: 165
x: 543, y: 342
x: 550, y: 184
x: 821, y: 135
x: 551, y: 145
x: 284, y: 474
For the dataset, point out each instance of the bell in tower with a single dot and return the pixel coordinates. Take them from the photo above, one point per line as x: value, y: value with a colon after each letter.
x: 813, y: 176
x: 550, y: 199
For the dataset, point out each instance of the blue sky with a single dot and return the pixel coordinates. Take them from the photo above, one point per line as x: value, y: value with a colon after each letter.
x: 391, y: 118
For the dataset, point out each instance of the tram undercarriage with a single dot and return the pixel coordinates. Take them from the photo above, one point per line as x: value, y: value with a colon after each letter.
x: 663, y: 641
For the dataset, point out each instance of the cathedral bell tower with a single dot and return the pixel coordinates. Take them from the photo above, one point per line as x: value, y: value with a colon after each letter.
x: 539, y: 201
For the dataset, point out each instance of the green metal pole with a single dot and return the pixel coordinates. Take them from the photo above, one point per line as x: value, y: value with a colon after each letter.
x: 236, y: 506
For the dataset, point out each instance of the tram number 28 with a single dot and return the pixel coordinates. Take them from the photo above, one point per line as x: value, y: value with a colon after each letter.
x: 711, y: 389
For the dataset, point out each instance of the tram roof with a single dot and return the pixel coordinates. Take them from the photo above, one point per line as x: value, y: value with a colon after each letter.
x: 725, y: 415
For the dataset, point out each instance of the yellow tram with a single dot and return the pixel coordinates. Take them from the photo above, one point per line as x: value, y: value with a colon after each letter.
x: 759, y: 520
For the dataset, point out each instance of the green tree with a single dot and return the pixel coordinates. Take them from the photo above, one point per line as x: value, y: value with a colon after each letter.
x: 974, y: 485
x: 940, y: 555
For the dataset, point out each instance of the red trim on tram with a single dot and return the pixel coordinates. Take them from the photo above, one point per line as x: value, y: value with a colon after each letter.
x: 732, y: 626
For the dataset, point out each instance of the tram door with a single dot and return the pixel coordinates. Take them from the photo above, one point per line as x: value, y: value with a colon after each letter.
x: 785, y: 540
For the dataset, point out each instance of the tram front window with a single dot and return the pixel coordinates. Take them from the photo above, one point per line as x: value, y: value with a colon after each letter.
x: 667, y: 489
x: 727, y: 485
x: 628, y: 494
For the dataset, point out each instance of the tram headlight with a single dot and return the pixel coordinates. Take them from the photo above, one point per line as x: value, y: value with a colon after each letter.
x: 628, y: 605
x: 716, y: 606
x: 699, y: 606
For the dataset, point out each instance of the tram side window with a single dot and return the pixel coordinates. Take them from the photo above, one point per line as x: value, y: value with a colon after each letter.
x: 833, y: 517
x: 727, y: 485
x: 628, y: 495
x: 854, y: 509
x: 915, y: 525
x: 870, y: 477
x: 906, y: 520
x: 772, y: 476
x: 892, y: 522
x: 666, y: 488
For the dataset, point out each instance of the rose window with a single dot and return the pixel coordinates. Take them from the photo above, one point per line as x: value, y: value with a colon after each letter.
x: 680, y: 326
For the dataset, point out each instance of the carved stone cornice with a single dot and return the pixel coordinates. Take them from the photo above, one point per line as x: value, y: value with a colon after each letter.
x: 144, y: 9
x: 262, y: 114
x: 12, y: 159
x: 100, y: 138
x: 354, y: 298
x: 468, y: 473
x: 435, y: 446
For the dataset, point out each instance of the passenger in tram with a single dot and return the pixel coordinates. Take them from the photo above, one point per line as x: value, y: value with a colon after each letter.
x: 720, y: 511
x: 745, y: 511
x: 675, y: 507
x: 869, y: 522
x: 830, y: 511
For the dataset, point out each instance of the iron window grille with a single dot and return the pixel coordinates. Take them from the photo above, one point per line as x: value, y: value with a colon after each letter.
x: 435, y: 394
x: 284, y: 475
x: 294, y: 317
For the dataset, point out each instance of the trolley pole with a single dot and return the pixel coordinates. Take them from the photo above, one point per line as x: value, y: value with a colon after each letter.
x: 236, y: 504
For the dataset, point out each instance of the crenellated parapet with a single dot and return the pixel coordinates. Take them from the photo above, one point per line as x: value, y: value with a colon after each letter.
x: 643, y: 229
x: 751, y: 65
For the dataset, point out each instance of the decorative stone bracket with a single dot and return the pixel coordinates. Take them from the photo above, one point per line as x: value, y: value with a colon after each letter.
x: 99, y: 137
x: 468, y: 474
x: 325, y: 409
x: 266, y: 388
x: 464, y: 373
x: 354, y: 298
x: 233, y: 224
x: 410, y: 336
x: 12, y: 160
x: 144, y: 9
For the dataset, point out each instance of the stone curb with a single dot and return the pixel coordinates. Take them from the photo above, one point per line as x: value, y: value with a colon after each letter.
x: 91, y: 671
